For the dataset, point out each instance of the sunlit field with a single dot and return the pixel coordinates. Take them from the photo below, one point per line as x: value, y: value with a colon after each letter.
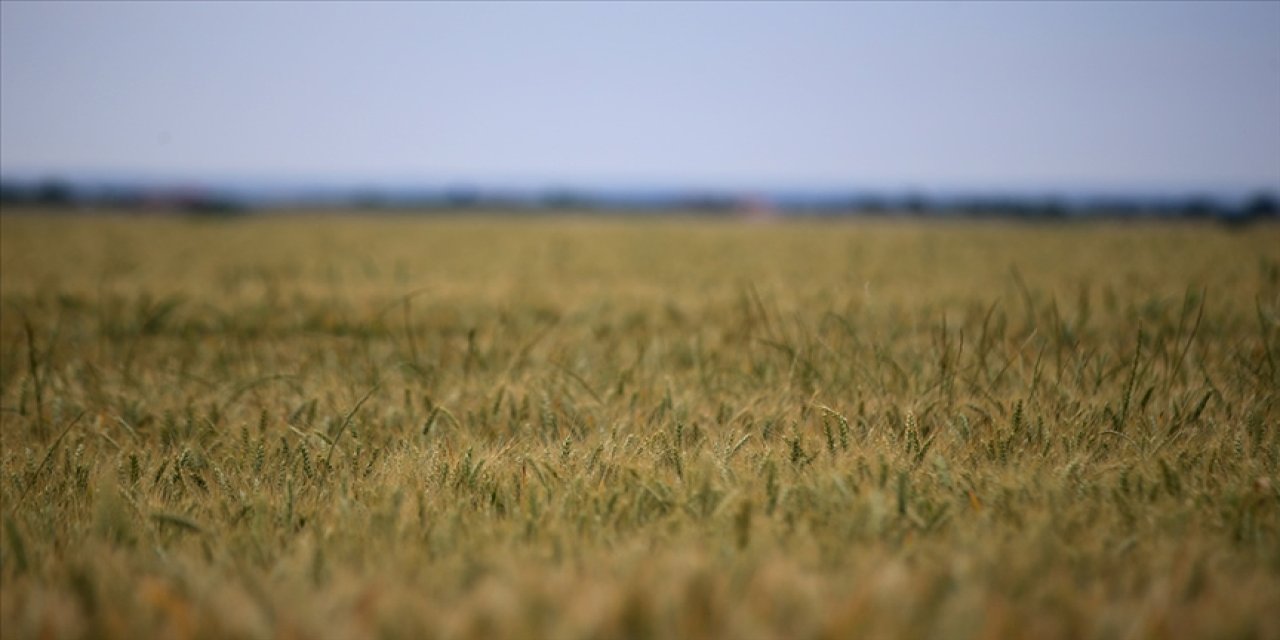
x: 355, y: 427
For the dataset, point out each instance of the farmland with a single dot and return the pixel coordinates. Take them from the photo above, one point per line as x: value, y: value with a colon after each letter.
x: 488, y: 427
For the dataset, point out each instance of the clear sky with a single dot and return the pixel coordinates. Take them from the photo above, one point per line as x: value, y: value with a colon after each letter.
x: 828, y: 95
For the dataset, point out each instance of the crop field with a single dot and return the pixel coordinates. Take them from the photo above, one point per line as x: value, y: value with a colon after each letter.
x: 495, y: 427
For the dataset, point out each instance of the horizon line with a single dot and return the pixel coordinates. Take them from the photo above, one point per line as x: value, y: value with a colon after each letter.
x: 264, y: 181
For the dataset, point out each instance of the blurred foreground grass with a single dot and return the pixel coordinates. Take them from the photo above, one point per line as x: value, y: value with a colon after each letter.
x: 556, y: 428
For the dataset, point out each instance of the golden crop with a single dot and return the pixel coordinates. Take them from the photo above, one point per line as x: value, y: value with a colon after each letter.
x: 352, y: 427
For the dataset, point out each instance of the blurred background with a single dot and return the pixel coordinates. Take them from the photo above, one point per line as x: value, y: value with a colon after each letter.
x: 759, y: 109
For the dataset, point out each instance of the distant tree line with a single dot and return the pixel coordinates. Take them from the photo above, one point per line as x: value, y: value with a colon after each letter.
x: 1260, y: 206
x: 58, y: 194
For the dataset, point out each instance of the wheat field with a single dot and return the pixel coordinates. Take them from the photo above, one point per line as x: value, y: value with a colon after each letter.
x: 495, y: 427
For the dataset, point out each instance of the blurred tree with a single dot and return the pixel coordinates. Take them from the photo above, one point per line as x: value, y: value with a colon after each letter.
x: 1261, y: 206
x: 54, y: 193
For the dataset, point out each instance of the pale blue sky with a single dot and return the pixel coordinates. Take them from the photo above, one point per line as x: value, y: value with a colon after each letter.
x: 972, y: 96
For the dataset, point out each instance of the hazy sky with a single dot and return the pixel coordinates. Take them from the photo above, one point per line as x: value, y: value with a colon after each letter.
x: 851, y: 95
